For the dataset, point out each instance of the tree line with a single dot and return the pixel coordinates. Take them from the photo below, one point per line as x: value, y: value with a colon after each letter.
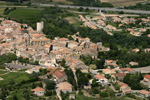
x: 95, y: 3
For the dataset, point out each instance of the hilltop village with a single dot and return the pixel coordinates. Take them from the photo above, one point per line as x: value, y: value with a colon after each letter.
x: 28, y: 43
x: 61, y: 62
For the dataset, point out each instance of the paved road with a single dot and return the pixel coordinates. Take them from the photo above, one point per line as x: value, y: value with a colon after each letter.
x: 143, y: 69
x: 96, y: 8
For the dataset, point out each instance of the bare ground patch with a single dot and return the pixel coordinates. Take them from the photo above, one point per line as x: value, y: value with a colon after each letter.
x: 71, y: 20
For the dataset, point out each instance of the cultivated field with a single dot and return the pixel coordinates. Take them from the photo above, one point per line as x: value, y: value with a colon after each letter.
x: 54, y: 1
x: 123, y: 2
x: 16, y: 77
x: 24, y: 12
x: 63, y: 1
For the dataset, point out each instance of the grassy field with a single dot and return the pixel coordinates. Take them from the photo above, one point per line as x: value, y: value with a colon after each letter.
x: 1, y: 11
x: 54, y: 1
x: 123, y: 2
x: 15, y: 76
x: 2, y: 72
x: 25, y: 12
x: 63, y: 1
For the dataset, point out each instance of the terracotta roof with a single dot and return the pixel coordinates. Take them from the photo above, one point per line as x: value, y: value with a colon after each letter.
x: 87, y: 38
x: 147, y: 76
x: 133, y: 63
x: 127, y: 69
x: 65, y: 86
x: 63, y: 39
x: 38, y: 67
x: 144, y: 92
x: 129, y: 90
x: 109, y: 70
x: 135, y: 50
x: 120, y: 74
x: 2, y: 36
x: 122, y: 84
x: 43, y: 39
x: 3, y: 44
x: 47, y: 45
x: 110, y: 61
x: 38, y: 89
x: 100, y: 77
x: 7, y: 22
x: 58, y: 74
x: 37, y: 35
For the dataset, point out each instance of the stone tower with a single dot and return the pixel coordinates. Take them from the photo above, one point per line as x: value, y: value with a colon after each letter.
x: 28, y: 40
x: 40, y: 26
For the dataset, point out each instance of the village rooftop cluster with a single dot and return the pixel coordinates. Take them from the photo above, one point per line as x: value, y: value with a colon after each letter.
x: 22, y: 40
x: 117, y: 22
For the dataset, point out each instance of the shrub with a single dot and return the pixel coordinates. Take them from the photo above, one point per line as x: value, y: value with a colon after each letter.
x: 103, y: 94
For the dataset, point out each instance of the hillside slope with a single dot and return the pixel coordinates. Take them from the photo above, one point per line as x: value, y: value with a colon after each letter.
x: 114, y: 2
x: 123, y: 2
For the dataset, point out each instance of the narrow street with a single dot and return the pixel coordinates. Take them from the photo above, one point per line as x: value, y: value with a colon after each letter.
x: 113, y: 88
x: 58, y: 94
x: 75, y: 77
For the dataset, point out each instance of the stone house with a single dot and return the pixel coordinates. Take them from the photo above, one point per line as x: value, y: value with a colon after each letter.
x: 144, y: 93
x: 64, y: 87
x: 60, y: 76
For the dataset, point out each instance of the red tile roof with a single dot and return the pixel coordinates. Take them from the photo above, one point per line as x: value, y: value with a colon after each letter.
x: 3, y: 44
x: 58, y: 74
x: 127, y: 69
x: 2, y: 36
x: 99, y: 77
x: 144, y: 92
x: 38, y: 89
x: 65, y: 86
x: 111, y: 61
x: 129, y: 90
x: 37, y: 35
x: 122, y: 84
x: 147, y: 76
x: 120, y: 74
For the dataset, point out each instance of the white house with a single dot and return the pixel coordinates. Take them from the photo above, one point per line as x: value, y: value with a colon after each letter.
x: 101, y: 79
x: 38, y: 91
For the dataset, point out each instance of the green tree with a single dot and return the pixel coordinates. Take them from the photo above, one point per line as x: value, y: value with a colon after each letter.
x: 103, y: 94
x: 82, y: 81
x: 80, y: 9
x: 36, y: 63
x: 100, y: 63
x: 87, y: 9
x: 95, y: 90
x: 63, y: 62
x: 94, y: 83
x: 50, y: 85
x: 15, y: 97
x: 33, y: 85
